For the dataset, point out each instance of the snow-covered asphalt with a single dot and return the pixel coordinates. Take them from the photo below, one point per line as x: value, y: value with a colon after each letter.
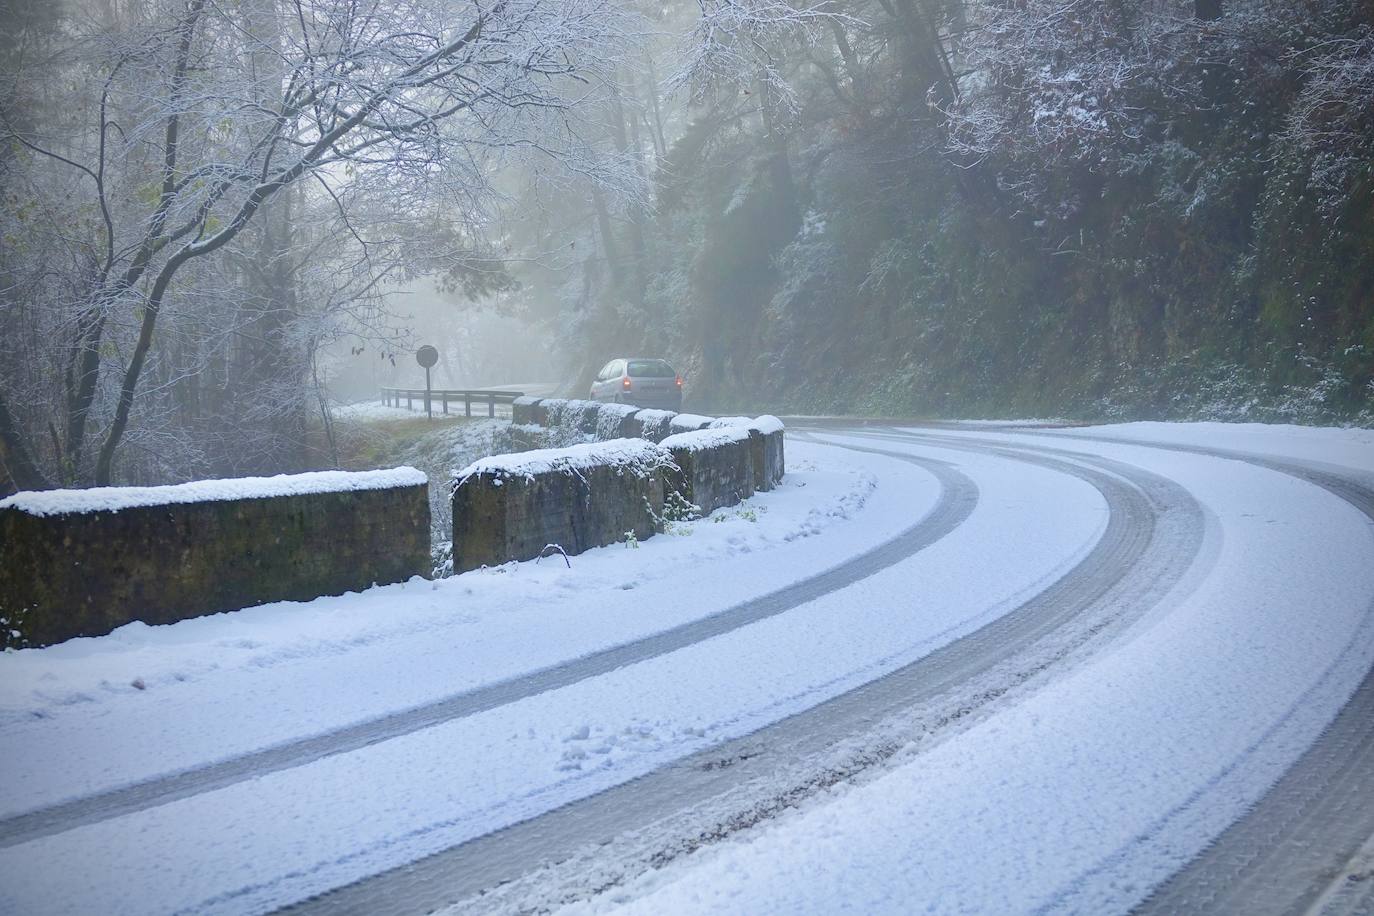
x: 975, y: 670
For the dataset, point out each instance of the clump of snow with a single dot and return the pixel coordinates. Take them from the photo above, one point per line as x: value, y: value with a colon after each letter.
x: 630, y: 454
x: 702, y: 439
x: 525, y: 401
x: 686, y: 422
x: 766, y: 424
x: 730, y: 421
x: 113, y: 499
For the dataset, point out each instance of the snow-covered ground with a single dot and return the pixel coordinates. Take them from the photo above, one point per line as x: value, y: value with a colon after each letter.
x: 371, y: 411
x: 1078, y: 792
x: 1351, y: 449
x: 365, y: 411
x: 1096, y: 788
x: 281, y: 670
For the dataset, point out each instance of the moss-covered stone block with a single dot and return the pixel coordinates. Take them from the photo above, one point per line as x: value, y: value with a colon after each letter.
x: 102, y: 563
x: 616, y: 421
x: 524, y: 411
x: 655, y: 425
x: 583, y: 416
x: 510, y: 507
x: 767, y: 444
x: 713, y: 468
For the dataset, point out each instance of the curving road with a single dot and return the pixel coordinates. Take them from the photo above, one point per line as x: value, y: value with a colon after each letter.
x: 1303, y: 846
x: 958, y: 495
x: 1152, y: 537
x: 1273, y: 816
x: 1307, y: 846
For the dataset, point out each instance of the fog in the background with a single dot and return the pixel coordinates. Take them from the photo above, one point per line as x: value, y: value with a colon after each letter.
x: 481, y: 345
x: 924, y: 208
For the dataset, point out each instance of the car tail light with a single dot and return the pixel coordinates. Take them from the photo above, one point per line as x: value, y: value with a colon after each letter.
x: 679, y: 381
x: 625, y: 383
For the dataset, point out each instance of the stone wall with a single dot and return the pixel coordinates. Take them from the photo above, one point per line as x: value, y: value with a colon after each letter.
x: 510, y: 507
x: 553, y: 423
x: 713, y: 467
x: 579, y: 496
x: 83, y: 562
x: 616, y: 421
x: 655, y: 425
x: 769, y: 459
x: 524, y: 411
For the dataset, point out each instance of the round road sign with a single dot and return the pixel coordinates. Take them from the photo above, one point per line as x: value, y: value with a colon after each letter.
x: 427, y: 356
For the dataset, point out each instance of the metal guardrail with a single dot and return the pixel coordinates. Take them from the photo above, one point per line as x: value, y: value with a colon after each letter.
x: 393, y: 397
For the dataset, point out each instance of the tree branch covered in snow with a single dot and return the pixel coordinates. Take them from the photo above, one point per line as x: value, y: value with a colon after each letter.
x: 745, y: 45
x: 386, y: 120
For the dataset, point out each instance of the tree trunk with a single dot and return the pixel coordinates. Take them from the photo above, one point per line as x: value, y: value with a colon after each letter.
x: 20, y: 471
x: 608, y: 246
x: 779, y: 163
x: 927, y: 62
x: 852, y: 66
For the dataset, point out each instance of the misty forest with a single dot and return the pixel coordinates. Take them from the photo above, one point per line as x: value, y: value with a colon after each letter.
x: 222, y: 219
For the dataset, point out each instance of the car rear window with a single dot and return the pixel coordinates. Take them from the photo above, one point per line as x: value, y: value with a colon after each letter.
x: 650, y: 368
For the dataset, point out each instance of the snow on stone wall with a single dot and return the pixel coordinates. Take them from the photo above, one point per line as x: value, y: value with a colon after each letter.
x: 730, y: 421
x: 512, y: 507
x: 610, y: 421
x: 766, y: 424
x: 654, y: 425
x: 81, y: 563
x: 703, y: 439
x: 114, y: 499
x: 713, y: 468
x: 709, y: 463
x: 633, y: 455
x: 686, y: 422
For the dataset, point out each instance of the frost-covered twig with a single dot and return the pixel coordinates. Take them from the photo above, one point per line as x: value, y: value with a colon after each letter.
x: 549, y: 549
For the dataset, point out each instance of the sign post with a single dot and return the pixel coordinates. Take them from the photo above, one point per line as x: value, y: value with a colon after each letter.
x: 427, y: 356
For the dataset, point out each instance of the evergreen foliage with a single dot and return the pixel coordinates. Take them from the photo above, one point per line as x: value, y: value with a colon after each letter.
x: 999, y: 208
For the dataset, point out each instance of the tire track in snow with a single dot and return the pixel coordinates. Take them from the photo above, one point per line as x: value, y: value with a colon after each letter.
x: 1299, y: 848
x: 1153, y: 534
x: 1307, y: 845
x: 958, y: 496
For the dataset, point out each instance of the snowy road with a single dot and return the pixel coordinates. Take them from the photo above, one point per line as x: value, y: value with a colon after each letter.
x: 959, y: 669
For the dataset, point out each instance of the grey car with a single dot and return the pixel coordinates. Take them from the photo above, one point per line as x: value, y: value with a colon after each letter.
x: 642, y: 381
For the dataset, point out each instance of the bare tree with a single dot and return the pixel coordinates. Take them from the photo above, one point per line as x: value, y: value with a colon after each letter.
x: 229, y: 108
